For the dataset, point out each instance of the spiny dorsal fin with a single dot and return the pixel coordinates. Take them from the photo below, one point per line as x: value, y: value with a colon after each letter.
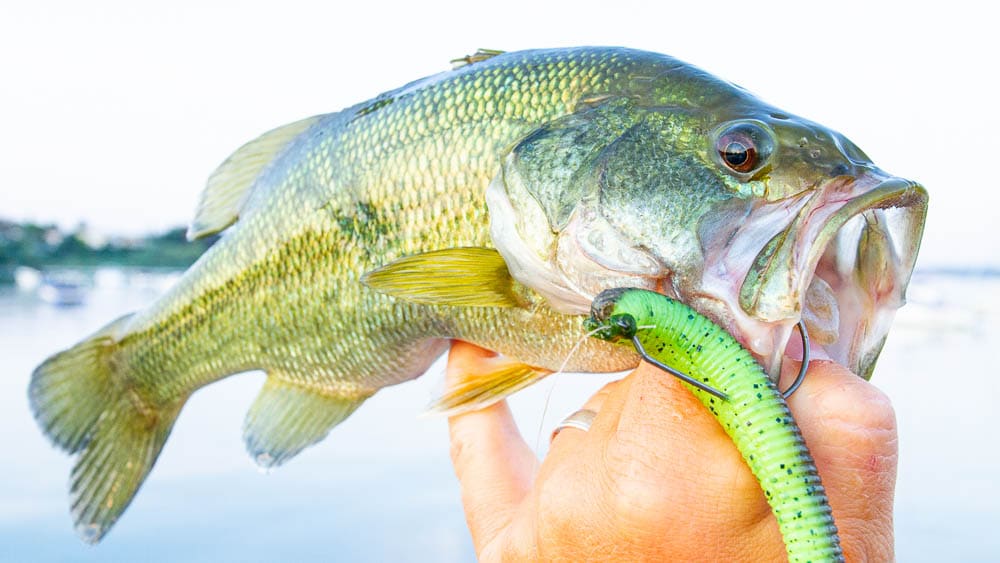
x: 466, y: 277
x: 475, y: 391
x: 229, y: 185
x: 288, y: 417
x: 479, y: 56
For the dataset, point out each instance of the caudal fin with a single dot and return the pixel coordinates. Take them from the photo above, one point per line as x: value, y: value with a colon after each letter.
x: 86, y: 409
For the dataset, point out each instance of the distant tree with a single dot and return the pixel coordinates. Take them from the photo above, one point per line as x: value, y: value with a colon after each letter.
x: 44, y: 246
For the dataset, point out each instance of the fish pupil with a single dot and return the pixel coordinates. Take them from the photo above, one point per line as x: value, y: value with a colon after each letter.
x: 736, y: 154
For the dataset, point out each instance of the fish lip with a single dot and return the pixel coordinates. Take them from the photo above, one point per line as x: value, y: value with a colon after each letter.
x: 770, y: 299
x: 798, y: 248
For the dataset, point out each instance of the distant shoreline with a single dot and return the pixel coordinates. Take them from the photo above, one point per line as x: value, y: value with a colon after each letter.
x: 47, y: 247
x: 959, y: 271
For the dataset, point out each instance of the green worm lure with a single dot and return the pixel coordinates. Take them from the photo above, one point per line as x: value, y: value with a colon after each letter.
x: 742, y: 398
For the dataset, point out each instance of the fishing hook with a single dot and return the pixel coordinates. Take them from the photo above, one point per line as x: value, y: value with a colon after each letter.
x: 708, y: 388
x: 681, y: 375
x: 805, y: 362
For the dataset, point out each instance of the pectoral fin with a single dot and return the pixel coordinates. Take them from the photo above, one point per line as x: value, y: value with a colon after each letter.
x: 475, y: 391
x: 468, y: 277
x: 288, y: 417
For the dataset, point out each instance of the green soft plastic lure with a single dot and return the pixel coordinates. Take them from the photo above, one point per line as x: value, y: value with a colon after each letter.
x: 754, y: 413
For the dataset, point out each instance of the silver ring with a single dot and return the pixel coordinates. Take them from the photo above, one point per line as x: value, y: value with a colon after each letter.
x: 581, y: 420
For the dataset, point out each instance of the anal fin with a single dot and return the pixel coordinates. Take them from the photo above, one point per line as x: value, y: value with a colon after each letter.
x: 500, y: 379
x: 287, y: 417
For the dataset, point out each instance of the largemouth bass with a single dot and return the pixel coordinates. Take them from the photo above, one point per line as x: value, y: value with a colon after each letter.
x: 491, y: 204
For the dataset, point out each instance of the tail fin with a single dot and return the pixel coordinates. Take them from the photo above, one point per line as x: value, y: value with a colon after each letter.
x: 85, y: 408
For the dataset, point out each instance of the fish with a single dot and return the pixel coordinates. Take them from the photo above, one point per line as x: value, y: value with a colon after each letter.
x: 490, y: 203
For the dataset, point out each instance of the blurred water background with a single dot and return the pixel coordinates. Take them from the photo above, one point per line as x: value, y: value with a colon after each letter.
x: 381, y: 486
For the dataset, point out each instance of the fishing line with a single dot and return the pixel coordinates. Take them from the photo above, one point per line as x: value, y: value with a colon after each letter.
x: 548, y: 395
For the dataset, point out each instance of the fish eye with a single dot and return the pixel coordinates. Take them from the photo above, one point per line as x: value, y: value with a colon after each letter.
x: 743, y: 147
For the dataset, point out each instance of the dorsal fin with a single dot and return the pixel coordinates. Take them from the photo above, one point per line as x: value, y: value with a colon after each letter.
x: 229, y: 185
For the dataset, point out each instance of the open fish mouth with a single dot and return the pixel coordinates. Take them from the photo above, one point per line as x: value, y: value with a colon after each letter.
x: 841, y: 263
x: 838, y: 256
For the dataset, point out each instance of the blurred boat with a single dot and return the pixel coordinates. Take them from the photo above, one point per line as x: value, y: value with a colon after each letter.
x: 64, y: 289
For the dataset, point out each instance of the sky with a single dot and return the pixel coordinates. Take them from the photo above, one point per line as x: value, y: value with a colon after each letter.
x: 113, y: 113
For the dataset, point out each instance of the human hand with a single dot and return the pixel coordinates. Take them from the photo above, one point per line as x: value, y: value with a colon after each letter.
x: 656, y: 477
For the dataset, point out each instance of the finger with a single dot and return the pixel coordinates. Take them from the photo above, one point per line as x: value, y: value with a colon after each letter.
x: 850, y: 428
x: 662, y: 412
x: 568, y: 437
x: 493, y: 463
x: 568, y: 502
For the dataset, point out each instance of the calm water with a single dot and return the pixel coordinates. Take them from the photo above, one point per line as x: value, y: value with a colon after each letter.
x: 381, y: 486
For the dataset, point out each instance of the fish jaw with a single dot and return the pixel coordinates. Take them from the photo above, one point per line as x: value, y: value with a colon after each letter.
x: 838, y: 257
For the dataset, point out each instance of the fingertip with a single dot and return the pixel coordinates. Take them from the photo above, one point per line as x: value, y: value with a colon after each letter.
x: 831, y: 393
x: 484, y: 432
x: 464, y: 357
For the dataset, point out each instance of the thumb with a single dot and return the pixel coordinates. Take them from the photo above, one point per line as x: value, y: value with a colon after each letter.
x: 850, y: 428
